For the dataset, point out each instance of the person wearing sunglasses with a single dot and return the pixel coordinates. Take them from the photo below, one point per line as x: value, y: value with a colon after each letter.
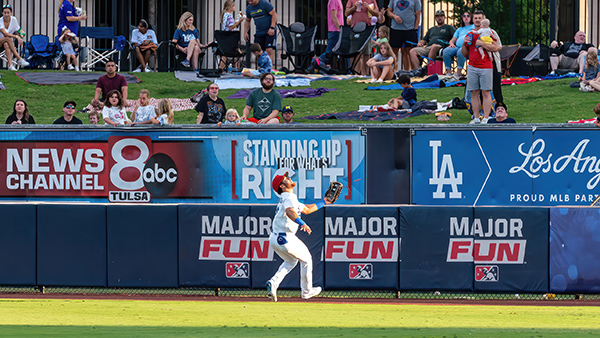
x: 68, y: 118
x: 8, y: 33
x: 453, y: 50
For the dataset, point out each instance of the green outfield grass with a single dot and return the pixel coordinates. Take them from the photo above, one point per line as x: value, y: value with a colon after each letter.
x: 124, y: 318
x: 541, y: 102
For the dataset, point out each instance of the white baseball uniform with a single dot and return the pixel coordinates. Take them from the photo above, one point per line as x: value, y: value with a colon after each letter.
x: 290, y: 248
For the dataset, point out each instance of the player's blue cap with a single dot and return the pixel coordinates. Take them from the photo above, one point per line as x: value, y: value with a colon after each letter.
x: 277, y: 181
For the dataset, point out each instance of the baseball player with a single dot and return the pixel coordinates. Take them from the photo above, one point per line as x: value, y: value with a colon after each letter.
x: 283, y: 238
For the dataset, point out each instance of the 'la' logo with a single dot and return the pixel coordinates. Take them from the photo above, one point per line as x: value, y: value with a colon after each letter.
x: 445, y: 175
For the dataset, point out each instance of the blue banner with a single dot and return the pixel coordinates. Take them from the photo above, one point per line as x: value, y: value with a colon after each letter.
x: 574, y: 250
x: 510, y: 249
x: 434, y: 256
x: 505, y: 167
x: 215, y: 245
x: 361, y: 247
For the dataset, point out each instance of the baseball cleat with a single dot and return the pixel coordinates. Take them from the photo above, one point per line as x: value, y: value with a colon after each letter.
x: 313, y: 292
x: 271, y: 291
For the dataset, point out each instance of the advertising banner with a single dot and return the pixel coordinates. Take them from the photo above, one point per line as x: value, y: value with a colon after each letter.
x: 215, y: 245
x: 510, y: 249
x: 431, y: 248
x: 505, y: 167
x: 574, y: 250
x: 179, y: 166
x: 361, y: 247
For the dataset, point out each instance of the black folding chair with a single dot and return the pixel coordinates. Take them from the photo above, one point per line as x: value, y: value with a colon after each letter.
x: 352, y: 42
x: 298, y: 41
x: 131, y: 56
x: 227, y: 45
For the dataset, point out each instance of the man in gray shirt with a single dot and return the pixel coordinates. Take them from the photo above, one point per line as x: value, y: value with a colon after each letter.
x: 406, y: 17
x: 437, y: 37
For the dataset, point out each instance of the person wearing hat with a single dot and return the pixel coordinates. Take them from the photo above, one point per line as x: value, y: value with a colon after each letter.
x: 283, y: 238
x: 68, y: 118
x: 501, y: 114
x: 287, y: 114
x: 437, y: 37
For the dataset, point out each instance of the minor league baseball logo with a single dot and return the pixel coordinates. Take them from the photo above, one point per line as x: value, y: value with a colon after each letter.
x: 237, y: 270
x: 444, y: 174
x: 361, y: 271
x: 486, y: 273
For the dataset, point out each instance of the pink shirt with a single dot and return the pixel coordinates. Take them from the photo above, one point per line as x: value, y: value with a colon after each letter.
x: 339, y: 8
x: 363, y: 15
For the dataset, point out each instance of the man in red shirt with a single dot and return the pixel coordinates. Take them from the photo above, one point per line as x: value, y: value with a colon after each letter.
x: 108, y: 82
x: 480, y: 70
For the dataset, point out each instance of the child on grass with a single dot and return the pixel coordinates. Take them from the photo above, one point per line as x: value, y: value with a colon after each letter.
x: 263, y: 62
x: 164, y: 113
x: 114, y: 110
x: 232, y: 118
x: 143, y: 111
x: 408, y: 97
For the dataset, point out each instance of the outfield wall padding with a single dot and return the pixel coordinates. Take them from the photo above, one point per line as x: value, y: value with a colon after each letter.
x: 71, y: 245
x: 408, y: 248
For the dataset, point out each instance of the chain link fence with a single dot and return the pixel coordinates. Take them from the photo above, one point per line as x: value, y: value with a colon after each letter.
x: 333, y: 294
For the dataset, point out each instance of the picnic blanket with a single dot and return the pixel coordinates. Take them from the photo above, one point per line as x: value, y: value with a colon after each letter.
x: 178, y: 104
x: 237, y: 81
x: 59, y: 77
x: 592, y: 120
x: 380, y: 113
x: 287, y: 93
x: 433, y: 81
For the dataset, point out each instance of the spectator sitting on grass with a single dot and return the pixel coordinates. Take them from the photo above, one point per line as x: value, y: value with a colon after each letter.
x: 287, y: 114
x: 20, y: 114
x: 68, y: 111
x: 143, y: 112
x: 263, y: 62
x: 114, y: 111
x: 265, y: 102
x: 408, y: 97
x: 232, y: 119
x: 591, y: 72
x: 501, y: 114
x: 597, y: 111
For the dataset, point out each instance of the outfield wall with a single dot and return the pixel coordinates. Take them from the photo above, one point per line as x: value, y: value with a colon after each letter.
x: 475, y: 249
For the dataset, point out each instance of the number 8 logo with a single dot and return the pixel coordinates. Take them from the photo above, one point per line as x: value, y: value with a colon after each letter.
x: 122, y: 163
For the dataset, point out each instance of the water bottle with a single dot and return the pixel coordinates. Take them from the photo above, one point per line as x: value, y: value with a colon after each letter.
x: 230, y: 68
x: 359, y: 7
x: 470, y: 35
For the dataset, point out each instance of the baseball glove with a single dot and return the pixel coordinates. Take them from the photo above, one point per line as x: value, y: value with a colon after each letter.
x: 334, y: 191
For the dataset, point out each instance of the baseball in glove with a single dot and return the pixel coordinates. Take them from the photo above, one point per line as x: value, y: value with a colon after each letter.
x: 334, y: 191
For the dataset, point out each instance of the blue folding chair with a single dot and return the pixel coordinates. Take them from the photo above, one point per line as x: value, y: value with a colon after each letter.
x: 41, y: 51
x: 93, y: 54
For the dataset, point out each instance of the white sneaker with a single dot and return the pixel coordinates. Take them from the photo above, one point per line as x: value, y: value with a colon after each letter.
x: 313, y: 292
x: 484, y: 120
x: 475, y: 121
x: 379, y: 81
x: 137, y: 70
x: 22, y: 62
x: 70, y: 67
x: 372, y: 80
x: 147, y: 70
x: 76, y: 68
x: 271, y: 291
x: 552, y: 73
x: 12, y: 67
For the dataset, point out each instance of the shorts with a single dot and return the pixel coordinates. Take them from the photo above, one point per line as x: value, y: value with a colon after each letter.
x: 568, y: 63
x: 400, y: 38
x: 479, y: 78
x: 265, y: 41
x: 423, y: 51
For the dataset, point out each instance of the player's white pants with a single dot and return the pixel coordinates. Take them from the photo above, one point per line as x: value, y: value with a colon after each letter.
x: 293, y: 251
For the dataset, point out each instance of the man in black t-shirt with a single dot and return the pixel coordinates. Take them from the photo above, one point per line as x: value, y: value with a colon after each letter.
x: 211, y: 108
x: 68, y: 118
x: 570, y: 55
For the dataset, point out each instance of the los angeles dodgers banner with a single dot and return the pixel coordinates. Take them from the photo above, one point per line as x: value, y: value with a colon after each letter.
x: 505, y: 167
x: 179, y: 165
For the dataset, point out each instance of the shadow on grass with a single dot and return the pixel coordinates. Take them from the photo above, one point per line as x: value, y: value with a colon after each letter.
x: 236, y: 331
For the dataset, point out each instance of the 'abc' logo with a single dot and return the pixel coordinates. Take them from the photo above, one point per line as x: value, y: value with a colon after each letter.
x: 159, y: 175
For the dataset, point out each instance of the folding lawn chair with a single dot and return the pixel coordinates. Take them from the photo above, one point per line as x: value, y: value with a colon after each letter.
x: 131, y: 56
x: 227, y: 44
x: 538, y: 59
x: 298, y: 41
x: 508, y: 54
x: 106, y: 46
x: 41, y: 51
x: 5, y: 59
x: 352, y: 41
